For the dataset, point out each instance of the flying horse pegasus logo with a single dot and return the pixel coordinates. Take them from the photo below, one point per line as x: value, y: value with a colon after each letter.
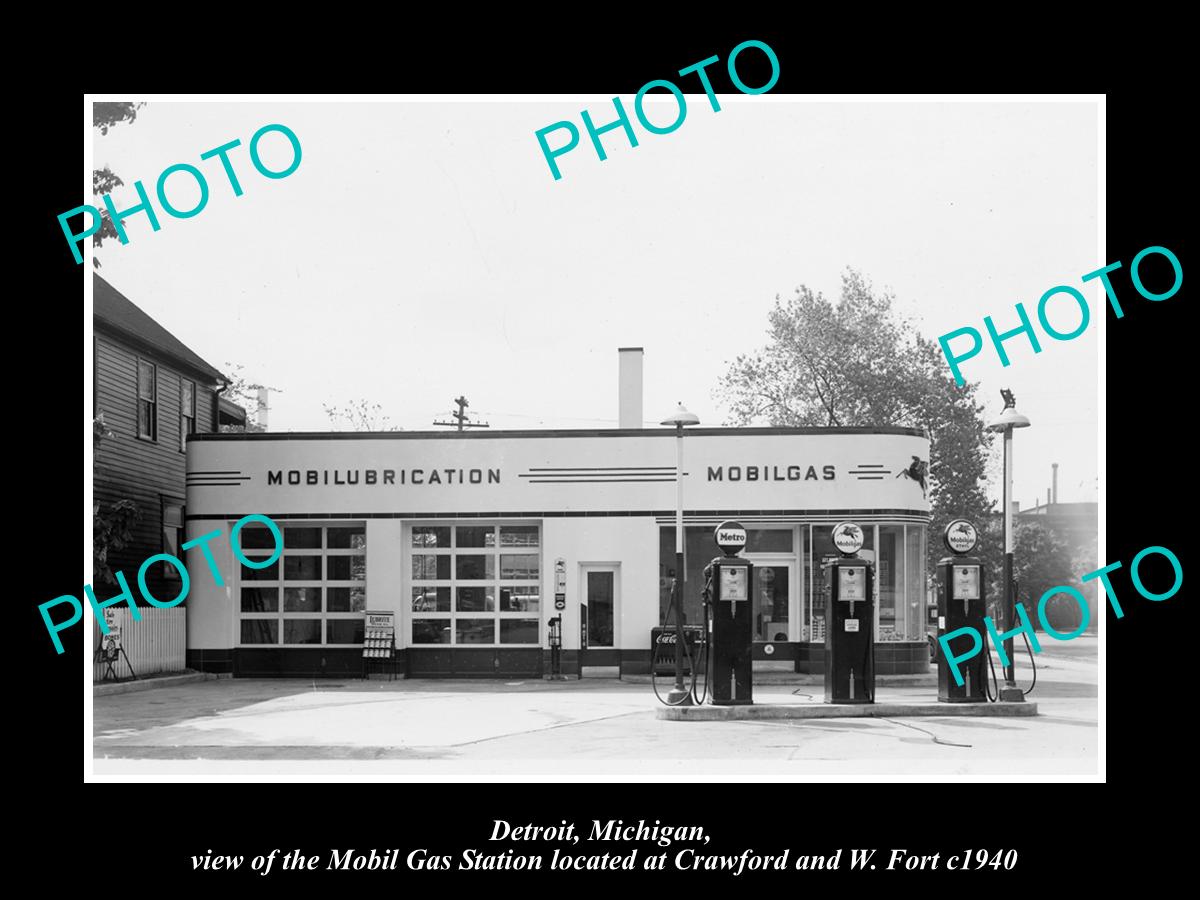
x: 963, y: 528
x: 849, y: 531
x: 916, y: 470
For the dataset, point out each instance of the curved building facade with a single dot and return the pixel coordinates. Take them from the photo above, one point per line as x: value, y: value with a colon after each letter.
x: 469, y: 539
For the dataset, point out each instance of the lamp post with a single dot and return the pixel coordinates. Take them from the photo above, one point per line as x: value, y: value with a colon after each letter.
x: 1008, y: 419
x: 679, y: 696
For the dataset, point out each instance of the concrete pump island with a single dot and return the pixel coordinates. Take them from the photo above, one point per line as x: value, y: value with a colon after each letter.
x: 719, y: 652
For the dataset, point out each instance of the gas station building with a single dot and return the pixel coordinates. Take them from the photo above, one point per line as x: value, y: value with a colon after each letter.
x: 471, y: 540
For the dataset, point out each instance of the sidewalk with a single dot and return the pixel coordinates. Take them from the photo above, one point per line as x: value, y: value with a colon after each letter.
x: 149, y: 682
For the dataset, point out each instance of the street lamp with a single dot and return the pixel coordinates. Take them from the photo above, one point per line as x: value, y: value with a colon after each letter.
x: 1008, y: 419
x: 681, y: 417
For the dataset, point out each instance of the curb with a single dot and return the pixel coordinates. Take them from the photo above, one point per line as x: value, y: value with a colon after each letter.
x: 146, y: 684
x: 840, y: 711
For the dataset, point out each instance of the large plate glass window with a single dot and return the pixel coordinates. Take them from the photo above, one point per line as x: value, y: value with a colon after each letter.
x: 898, y: 552
x: 475, y: 584
x: 889, y: 584
x: 914, y: 581
x: 314, y: 594
x: 773, y: 548
x: 821, y: 554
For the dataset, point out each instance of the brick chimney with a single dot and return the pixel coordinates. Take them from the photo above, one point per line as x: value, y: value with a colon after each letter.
x: 263, y: 407
x: 629, y: 410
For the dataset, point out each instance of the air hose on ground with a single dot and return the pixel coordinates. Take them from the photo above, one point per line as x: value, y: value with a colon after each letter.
x: 993, y: 695
x: 691, y: 697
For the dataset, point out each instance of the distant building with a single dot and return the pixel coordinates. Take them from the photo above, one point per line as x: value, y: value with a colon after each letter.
x: 153, y: 392
x: 1074, y: 523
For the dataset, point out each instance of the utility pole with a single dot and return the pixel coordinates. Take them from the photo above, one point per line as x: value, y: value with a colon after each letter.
x: 1009, y: 419
x: 460, y: 417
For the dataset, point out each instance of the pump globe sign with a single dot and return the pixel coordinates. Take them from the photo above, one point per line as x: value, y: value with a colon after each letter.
x: 960, y: 536
x: 848, y: 538
x: 730, y: 537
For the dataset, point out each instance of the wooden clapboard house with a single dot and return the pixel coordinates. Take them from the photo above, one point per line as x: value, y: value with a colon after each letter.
x: 152, y: 391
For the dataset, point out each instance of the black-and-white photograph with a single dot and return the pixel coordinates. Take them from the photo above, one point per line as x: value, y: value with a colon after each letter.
x: 438, y: 437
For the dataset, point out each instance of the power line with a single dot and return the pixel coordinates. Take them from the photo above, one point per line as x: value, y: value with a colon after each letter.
x: 558, y: 417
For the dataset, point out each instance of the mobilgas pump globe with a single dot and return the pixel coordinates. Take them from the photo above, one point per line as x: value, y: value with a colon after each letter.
x: 964, y: 607
x: 850, y: 635
x: 732, y: 622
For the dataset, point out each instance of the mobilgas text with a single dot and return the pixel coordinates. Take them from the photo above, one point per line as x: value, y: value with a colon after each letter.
x: 185, y: 581
x: 1026, y: 327
x: 998, y: 639
x: 118, y: 216
x: 622, y: 120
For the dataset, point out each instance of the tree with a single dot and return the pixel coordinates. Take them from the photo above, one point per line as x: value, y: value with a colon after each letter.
x: 858, y: 363
x: 1086, y: 558
x: 245, y: 394
x: 1042, y: 560
x: 104, y: 117
x: 359, y: 415
x: 112, y: 527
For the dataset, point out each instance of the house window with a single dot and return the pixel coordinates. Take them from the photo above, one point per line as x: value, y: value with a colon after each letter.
x: 147, y: 400
x: 315, y: 593
x: 475, y: 584
x: 187, y: 411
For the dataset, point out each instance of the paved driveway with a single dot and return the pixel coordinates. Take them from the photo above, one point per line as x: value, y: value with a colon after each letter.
x: 590, y: 728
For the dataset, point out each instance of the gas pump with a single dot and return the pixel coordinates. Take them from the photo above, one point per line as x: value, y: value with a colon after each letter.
x: 850, y: 622
x: 556, y: 650
x: 731, y: 621
x: 963, y: 606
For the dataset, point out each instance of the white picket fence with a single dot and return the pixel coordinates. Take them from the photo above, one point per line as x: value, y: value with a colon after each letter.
x: 155, y: 643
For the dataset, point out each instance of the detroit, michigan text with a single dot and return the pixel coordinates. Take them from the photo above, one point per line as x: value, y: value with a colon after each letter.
x: 608, y: 830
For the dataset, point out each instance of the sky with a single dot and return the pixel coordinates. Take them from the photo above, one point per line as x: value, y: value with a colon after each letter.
x: 423, y: 250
